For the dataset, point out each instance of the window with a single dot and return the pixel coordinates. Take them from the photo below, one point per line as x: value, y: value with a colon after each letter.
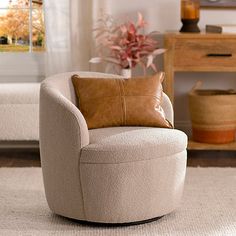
x: 21, y: 26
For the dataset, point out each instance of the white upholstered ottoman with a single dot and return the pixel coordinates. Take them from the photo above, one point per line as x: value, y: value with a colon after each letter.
x: 19, y: 111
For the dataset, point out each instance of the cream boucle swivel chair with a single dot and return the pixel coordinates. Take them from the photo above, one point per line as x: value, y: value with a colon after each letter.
x: 109, y: 175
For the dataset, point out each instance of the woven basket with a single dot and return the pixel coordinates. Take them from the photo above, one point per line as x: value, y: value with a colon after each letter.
x: 213, y: 115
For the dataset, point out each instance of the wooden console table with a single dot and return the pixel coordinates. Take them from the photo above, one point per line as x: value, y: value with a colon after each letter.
x: 193, y: 52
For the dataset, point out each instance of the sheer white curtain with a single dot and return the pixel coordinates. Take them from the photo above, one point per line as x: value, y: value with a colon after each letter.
x: 69, y: 39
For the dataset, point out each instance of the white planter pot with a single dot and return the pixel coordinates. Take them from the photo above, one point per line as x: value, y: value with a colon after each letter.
x: 126, y: 73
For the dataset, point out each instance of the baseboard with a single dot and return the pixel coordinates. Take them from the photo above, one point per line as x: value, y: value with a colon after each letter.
x: 19, y: 144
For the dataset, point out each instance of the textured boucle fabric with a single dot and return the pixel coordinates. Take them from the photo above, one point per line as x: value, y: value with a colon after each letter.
x: 132, y: 191
x: 19, y: 122
x: 19, y: 93
x: 19, y: 111
x: 63, y: 133
x: 168, y: 109
x: 126, y: 144
x: 133, y: 163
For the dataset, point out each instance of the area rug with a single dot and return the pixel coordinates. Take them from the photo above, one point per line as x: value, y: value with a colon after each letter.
x: 208, y: 208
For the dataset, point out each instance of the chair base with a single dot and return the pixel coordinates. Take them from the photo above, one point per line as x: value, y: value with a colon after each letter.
x: 99, y: 224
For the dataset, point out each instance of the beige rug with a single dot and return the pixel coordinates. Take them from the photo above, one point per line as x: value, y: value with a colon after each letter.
x: 208, y: 207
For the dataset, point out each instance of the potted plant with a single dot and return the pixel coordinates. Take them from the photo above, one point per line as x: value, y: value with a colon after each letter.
x: 126, y: 45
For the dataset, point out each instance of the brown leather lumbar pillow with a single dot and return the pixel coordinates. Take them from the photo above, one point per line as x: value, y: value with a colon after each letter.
x: 107, y: 102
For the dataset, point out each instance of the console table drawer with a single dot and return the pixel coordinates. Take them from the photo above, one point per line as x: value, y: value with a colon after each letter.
x: 205, y: 53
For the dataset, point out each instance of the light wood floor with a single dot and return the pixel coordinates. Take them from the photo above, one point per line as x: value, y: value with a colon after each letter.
x: 31, y: 158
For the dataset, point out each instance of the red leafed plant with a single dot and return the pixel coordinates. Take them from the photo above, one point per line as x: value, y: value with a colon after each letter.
x: 126, y: 45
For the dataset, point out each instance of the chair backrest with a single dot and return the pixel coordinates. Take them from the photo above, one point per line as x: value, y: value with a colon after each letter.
x: 62, y: 82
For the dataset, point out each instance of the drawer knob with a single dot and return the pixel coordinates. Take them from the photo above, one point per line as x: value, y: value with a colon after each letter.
x: 219, y: 55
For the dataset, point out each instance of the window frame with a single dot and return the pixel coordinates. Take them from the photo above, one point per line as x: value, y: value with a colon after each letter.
x: 23, y: 66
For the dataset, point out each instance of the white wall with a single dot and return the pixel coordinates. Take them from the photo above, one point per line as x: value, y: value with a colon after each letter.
x: 164, y: 15
x: 21, y: 67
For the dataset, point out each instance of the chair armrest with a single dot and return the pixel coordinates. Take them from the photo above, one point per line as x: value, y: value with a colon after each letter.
x: 63, y: 132
x: 60, y: 115
x: 168, y: 108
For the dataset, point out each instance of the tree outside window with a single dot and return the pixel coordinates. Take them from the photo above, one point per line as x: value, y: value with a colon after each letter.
x: 21, y: 26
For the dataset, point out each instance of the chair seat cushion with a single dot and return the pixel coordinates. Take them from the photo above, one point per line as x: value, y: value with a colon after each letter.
x: 126, y: 144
